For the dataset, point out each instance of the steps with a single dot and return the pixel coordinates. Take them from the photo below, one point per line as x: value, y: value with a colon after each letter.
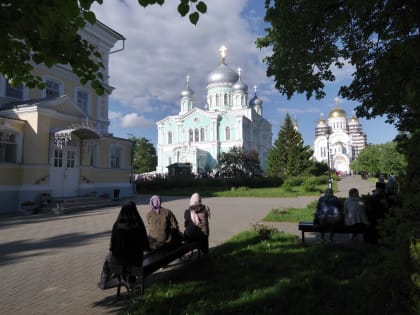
x: 75, y: 204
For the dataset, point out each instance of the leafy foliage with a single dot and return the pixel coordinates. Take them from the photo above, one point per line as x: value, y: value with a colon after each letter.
x: 36, y: 32
x: 144, y: 155
x: 237, y: 163
x: 380, y: 39
x: 380, y: 158
x: 288, y: 156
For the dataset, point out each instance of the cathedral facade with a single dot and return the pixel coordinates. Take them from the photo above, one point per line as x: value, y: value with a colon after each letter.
x: 199, y: 135
x: 338, y: 140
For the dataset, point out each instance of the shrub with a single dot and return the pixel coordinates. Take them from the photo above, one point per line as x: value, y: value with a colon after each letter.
x: 310, y: 184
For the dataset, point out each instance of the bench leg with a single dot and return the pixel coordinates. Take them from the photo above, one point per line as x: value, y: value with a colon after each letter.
x: 303, y: 237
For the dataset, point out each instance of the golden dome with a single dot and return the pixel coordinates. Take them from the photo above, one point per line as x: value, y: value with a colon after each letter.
x: 353, y: 120
x: 337, y: 112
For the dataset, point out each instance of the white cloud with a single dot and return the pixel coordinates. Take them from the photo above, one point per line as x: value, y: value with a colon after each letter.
x: 134, y: 120
x: 162, y: 48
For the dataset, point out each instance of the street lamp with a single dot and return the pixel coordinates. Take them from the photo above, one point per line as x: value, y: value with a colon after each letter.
x: 327, y: 136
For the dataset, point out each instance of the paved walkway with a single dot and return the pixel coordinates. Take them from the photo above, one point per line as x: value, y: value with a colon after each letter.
x: 51, y: 264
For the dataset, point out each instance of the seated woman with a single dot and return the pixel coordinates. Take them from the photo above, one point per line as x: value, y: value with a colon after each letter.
x: 354, y: 211
x: 162, y: 225
x: 128, y: 242
x: 196, y: 220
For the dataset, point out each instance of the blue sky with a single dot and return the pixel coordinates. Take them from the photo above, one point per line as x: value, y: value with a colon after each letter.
x: 162, y: 48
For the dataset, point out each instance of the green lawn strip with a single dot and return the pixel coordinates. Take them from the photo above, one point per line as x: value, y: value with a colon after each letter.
x: 264, y: 272
x: 292, y: 214
x: 206, y: 191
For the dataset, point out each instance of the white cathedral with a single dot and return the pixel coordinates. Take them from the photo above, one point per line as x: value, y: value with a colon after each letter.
x: 198, y: 135
x: 338, y: 140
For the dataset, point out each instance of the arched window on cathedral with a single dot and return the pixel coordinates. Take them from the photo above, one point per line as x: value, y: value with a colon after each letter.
x: 225, y: 99
x: 191, y: 135
x: 196, y: 135
x: 170, y: 137
x: 202, y: 135
x: 217, y: 100
x: 227, y: 133
x: 238, y: 99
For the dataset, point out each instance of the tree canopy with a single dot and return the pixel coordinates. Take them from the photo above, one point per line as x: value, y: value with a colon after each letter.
x: 288, y: 156
x: 380, y: 159
x: 144, y: 155
x: 48, y: 32
x: 380, y: 39
x: 237, y: 163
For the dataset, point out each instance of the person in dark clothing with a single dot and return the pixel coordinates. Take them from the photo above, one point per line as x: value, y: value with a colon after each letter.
x: 376, y: 207
x: 329, y: 211
x: 196, y: 221
x: 128, y: 242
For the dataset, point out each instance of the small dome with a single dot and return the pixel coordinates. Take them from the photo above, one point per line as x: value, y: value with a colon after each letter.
x: 337, y: 112
x: 322, y: 122
x: 255, y: 101
x: 240, y: 86
x: 187, y: 92
x: 223, y: 74
x: 353, y: 120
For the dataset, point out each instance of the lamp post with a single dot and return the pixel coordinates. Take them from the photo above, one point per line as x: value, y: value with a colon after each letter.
x: 328, y: 157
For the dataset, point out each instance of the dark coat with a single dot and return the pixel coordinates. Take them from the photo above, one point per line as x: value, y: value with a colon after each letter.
x: 128, y: 243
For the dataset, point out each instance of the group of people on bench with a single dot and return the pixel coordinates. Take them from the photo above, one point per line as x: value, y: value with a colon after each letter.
x: 361, y: 214
x: 130, y: 239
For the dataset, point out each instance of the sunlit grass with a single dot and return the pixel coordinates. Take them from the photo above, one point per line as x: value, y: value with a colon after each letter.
x: 292, y: 214
x: 262, y: 272
x: 278, y: 192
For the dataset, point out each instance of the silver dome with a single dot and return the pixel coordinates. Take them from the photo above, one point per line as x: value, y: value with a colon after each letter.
x: 240, y: 86
x: 255, y: 101
x: 187, y: 92
x: 223, y: 74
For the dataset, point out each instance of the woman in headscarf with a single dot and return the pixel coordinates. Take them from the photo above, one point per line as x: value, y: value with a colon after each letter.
x: 162, y: 225
x: 128, y: 242
x: 196, y: 220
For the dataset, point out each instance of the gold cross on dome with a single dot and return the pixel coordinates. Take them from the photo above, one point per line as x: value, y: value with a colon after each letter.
x: 223, y: 53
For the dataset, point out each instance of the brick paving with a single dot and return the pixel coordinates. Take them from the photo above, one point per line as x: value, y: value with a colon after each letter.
x: 51, y: 264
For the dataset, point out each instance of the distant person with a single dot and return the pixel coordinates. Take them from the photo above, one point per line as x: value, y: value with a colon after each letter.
x: 355, y: 212
x: 128, y: 242
x: 376, y: 207
x: 196, y: 221
x: 329, y: 211
x: 162, y: 225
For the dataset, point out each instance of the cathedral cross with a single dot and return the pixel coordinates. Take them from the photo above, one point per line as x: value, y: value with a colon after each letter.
x: 223, y: 53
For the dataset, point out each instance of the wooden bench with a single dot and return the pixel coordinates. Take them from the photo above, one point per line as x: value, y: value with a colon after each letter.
x: 154, y: 260
x: 338, y: 229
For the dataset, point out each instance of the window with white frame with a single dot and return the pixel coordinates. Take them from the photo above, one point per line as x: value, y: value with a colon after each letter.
x: 93, y: 154
x: 196, y: 135
x: 227, y: 133
x: 191, y: 135
x: 116, y: 157
x: 8, y: 146
x: 170, y: 137
x: 52, y: 88
x: 14, y: 91
x: 83, y: 100
x: 202, y: 135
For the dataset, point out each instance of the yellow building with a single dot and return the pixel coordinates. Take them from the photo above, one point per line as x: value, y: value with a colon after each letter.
x: 55, y: 141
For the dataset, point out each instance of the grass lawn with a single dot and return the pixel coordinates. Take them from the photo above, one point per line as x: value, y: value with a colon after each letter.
x: 242, y: 192
x: 292, y: 214
x: 267, y: 272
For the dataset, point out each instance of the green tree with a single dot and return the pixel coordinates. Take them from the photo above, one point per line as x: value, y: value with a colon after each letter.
x: 47, y: 32
x: 144, y: 156
x: 380, y: 39
x: 380, y: 158
x: 288, y: 156
x: 237, y: 163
